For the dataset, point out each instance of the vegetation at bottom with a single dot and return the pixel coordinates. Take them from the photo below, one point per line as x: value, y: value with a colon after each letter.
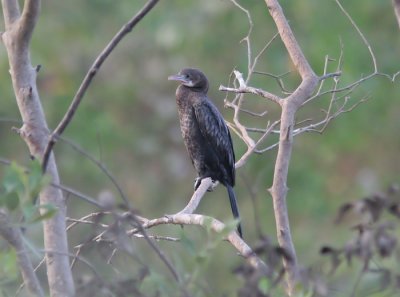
x: 128, y: 122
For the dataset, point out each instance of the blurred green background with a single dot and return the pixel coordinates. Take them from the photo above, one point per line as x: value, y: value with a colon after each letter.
x: 128, y: 117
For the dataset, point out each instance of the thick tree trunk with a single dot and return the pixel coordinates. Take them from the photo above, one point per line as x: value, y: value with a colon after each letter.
x: 19, y: 29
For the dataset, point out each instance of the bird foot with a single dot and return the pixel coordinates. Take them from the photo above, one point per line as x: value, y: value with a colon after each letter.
x: 197, y: 183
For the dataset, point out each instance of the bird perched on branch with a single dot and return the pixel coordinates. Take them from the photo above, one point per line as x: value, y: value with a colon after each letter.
x: 206, y: 136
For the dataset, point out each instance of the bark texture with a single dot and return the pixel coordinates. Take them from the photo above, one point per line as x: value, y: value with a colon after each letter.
x: 34, y: 131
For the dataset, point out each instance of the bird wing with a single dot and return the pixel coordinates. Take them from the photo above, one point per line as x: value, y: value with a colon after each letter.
x: 215, y: 131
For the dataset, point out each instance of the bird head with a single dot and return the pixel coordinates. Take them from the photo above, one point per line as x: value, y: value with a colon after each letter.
x: 191, y: 78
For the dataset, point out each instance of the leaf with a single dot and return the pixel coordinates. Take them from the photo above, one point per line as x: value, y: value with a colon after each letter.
x: 35, y: 174
x: 229, y: 227
x: 32, y: 212
x: 51, y: 210
x: 301, y: 291
x: 8, y: 264
x: 14, y: 178
x: 155, y: 284
x: 188, y: 244
x: 36, y: 179
x: 264, y: 284
x: 11, y: 201
x: 207, y: 224
x: 29, y: 211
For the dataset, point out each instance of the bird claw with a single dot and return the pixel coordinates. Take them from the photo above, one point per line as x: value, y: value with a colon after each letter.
x: 169, y: 216
x: 197, y: 183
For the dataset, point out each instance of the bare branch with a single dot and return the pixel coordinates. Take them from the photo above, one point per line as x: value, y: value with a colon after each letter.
x: 255, y: 61
x: 159, y: 238
x: 256, y: 114
x: 330, y: 75
x: 29, y: 18
x: 247, y: 38
x: 14, y: 237
x: 11, y: 12
x: 159, y: 252
x: 78, y: 194
x: 289, y: 107
x: 86, y: 219
x: 34, y: 132
x: 293, y: 48
x: 243, y: 88
x: 190, y: 208
x: 278, y: 79
x: 217, y: 226
x: 89, y: 77
x: 251, y: 90
x: 100, y: 165
x: 353, y: 23
x: 251, y: 150
x: 396, y: 6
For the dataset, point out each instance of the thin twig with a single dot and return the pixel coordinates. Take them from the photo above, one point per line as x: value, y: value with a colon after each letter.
x: 86, y: 218
x: 101, y: 166
x: 353, y: 23
x: 278, y: 79
x: 77, y: 194
x: 256, y: 114
x: 247, y: 38
x: 250, y: 150
x: 243, y: 88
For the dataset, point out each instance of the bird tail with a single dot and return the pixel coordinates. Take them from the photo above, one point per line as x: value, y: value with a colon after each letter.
x: 234, y: 207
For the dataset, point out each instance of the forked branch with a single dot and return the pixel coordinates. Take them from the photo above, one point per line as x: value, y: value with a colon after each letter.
x: 16, y: 38
x: 305, y: 92
x: 195, y: 219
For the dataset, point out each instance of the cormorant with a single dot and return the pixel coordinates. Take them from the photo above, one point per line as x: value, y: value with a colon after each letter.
x: 206, y: 136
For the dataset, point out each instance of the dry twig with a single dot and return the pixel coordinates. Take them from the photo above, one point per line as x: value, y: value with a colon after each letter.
x: 195, y: 219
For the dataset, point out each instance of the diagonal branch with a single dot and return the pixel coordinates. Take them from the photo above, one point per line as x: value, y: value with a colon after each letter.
x: 300, y: 62
x: 195, y: 219
x: 190, y: 208
x: 89, y: 77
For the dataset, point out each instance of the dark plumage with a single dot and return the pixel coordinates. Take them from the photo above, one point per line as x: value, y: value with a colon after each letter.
x: 206, y: 136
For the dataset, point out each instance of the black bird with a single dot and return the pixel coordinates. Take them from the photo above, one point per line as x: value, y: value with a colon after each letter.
x: 206, y: 136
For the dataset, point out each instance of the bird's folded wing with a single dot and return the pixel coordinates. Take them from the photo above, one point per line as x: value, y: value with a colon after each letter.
x: 215, y: 131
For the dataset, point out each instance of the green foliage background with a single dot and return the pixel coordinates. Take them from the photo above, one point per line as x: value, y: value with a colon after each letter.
x: 128, y: 118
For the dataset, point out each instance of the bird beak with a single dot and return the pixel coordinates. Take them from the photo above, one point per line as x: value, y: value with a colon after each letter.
x: 178, y: 77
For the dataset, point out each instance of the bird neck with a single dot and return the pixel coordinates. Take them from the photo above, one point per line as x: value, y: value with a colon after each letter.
x: 185, y: 94
x: 198, y: 89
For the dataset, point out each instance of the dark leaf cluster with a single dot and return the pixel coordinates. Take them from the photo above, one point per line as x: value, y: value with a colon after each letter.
x: 374, y: 238
x: 261, y: 284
